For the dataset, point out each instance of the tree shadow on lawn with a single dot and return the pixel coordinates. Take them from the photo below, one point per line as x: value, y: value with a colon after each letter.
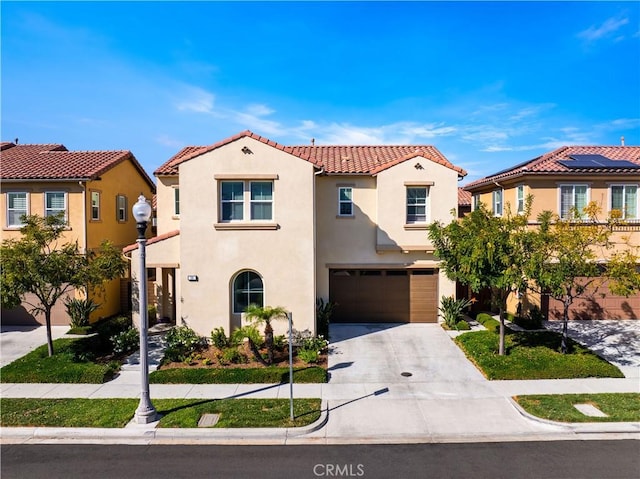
x: 542, y: 339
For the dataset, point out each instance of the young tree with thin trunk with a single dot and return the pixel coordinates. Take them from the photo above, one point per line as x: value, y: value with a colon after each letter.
x: 35, y: 263
x: 482, y: 250
x: 575, y: 257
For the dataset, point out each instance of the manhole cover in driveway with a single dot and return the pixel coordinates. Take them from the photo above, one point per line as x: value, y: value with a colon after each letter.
x: 208, y: 420
x: 406, y: 374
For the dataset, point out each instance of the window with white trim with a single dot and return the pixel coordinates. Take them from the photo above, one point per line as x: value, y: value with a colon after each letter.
x: 17, y: 206
x: 248, y: 288
x: 345, y: 201
x: 417, y: 204
x: 95, y: 205
x: 176, y: 201
x: 475, y: 201
x: 520, y: 199
x: 55, y: 202
x: 121, y: 208
x: 246, y: 199
x: 573, y: 198
x: 497, y: 202
x: 624, y: 198
x: 261, y: 200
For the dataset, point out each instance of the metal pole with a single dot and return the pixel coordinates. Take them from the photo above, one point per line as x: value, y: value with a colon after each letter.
x: 145, y: 413
x: 289, y: 316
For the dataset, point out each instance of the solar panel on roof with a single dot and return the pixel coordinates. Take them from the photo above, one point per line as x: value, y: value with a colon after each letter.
x: 596, y: 161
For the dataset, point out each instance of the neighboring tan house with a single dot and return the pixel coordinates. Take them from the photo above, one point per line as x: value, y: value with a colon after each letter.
x: 248, y: 220
x: 568, y: 177
x: 94, y: 189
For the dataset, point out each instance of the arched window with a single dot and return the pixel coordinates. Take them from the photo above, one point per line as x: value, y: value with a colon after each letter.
x: 247, y: 289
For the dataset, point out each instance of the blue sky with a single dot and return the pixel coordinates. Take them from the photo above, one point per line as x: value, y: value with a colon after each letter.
x: 489, y: 84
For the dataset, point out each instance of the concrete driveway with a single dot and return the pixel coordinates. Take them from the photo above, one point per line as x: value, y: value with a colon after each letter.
x: 16, y: 341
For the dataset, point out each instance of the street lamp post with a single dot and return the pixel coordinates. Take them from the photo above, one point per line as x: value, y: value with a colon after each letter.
x: 145, y: 413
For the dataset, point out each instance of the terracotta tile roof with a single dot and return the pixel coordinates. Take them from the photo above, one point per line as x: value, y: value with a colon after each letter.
x: 55, y: 162
x: 334, y: 159
x: 155, y: 239
x: 464, y: 197
x: 548, y: 163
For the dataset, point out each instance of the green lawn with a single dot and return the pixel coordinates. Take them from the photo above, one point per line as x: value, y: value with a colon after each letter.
x: 532, y: 355
x: 268, y: 375
x: 620, y: 407
x: 71, y: 363
x: 176, y: 413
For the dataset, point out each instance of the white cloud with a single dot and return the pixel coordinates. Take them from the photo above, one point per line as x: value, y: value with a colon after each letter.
x: 609, y: 27
x: 196, y: 100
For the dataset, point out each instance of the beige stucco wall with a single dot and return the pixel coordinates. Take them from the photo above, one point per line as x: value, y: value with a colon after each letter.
x: 163, y: 256
x: 376, y: 236
x: 166, y: 219
x: 283, y: 256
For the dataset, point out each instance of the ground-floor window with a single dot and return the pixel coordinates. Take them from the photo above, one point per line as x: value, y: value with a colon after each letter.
x: 248, y: 289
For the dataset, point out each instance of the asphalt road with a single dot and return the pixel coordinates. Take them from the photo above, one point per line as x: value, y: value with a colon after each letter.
x: 550, y: 459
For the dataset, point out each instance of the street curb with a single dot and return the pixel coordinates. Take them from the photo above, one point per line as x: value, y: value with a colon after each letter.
x: 581, y: 427
x: 150, y: 433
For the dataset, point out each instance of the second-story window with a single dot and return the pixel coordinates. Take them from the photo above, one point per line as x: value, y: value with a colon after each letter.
x: 176, y: 201
x: 573, y: 198
x: 261, y: 200
x: 475, y: 201
x: 121, y: 208
x: 17, y: 206
x: 345, y: 201
x: 95, y: 205
x: 232, y: 200
x: 520, y: 199
x: 624, y: 198
x: 417, y: 204
x: 55, y: 202
x: 497, y: 202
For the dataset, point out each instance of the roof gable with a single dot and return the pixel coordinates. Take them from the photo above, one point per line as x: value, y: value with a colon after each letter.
x: 334, y: 159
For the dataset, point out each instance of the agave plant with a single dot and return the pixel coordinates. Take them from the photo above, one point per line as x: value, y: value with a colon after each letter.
x: 79, y: 311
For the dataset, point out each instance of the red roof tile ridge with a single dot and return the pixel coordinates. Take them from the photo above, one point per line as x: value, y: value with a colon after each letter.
x: 155, y: 239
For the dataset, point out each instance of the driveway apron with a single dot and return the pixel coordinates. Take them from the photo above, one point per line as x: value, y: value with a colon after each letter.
x: 403, y: 381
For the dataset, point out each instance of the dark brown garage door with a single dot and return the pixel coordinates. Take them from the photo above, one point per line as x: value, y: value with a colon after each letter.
x: 383, y: 296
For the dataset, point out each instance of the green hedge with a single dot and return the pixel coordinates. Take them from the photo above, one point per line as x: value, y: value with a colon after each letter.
x: 270, y: 375
x: 488, y: 322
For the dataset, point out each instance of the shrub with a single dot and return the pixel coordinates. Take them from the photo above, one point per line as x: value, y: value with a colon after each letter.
x: 488, y: 322
x: 233, y: 356
x: 152, y: 314
x: 316, y: 344
x: 248, y: 331
x: 181, y: 343
x: 452, y: 309
x: 324, y: 311
x: 79, y: 311
x: 126, y: 341
x: 219, y: 338
x: 462, y: 326
x: 308, y: 355
x: 279, y: 342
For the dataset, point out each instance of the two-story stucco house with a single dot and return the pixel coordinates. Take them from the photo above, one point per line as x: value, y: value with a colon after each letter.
x: 94, y: 189
x: 572, y: 177
x: 248, y: 220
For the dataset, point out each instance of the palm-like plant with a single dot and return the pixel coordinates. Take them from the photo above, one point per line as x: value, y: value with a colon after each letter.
x: 264, y: 315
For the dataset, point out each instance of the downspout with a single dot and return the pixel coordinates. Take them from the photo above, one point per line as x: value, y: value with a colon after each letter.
x: 84, y: 214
